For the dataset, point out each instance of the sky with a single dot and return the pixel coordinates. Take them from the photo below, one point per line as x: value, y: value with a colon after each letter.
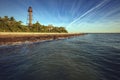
x: 75, y: 15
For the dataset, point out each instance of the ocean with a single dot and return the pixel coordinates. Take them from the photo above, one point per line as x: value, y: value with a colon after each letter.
x: 87, y: 57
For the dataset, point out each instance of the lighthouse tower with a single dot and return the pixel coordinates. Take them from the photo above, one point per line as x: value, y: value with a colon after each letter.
x: 30, y: 16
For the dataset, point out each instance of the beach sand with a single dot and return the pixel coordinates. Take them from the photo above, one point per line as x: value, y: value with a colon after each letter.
x: 7, y: 38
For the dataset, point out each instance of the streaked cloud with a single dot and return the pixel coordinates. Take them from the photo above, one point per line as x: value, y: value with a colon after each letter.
x: 75, y: 15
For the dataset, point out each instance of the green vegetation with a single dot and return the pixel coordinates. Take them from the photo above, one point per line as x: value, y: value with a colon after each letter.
x: 11, y: 25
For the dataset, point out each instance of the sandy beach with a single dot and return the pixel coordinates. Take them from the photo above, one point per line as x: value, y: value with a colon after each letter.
x: 7, y: 38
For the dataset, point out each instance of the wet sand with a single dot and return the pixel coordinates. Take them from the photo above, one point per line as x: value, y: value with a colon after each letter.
x: 7, y: 38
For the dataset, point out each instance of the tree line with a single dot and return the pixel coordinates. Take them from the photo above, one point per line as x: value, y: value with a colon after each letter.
x: 9, y: 24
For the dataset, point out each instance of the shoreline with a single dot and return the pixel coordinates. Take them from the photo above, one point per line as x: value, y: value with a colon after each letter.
x: 9, y: 38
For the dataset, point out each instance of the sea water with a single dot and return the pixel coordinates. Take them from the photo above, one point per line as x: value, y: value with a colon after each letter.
x: 87, y: 57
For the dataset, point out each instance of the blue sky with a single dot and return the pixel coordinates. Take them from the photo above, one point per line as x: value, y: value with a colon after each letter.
x: 75, y: 15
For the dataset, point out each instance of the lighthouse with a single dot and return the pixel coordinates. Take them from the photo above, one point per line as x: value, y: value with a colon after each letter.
x: 30, y: 16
